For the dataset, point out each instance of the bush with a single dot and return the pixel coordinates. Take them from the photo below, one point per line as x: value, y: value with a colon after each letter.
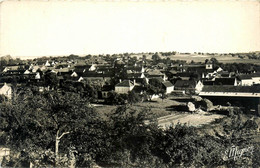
x: 204, y: 104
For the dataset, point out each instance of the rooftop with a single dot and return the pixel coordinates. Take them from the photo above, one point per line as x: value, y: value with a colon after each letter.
x: 167, y: 84
x: 242, y: 89
x: 125, y: 83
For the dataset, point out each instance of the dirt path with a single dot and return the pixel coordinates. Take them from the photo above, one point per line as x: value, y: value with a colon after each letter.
x: 190, y: 119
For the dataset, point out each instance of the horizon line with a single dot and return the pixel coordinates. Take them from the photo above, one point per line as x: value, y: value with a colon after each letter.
x: 103, y: 54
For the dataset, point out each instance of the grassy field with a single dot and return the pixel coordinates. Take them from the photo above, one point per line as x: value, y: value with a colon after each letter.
x: 165, y: 115
x: 202, y: 58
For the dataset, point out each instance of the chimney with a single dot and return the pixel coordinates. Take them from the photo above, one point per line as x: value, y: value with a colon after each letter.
x: 134, y: 82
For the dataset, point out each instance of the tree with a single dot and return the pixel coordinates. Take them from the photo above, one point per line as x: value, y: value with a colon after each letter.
x: 49, y: 122
x: 214, y: 61
x: 117, y: 99
x: 150, y: 91
x: 51, y: 80
x: 156, y: 86
x: 206, y: 61
x: 132, y: 138
x: 163, y: 96
x: 156, y: 58
x: 133, y: 97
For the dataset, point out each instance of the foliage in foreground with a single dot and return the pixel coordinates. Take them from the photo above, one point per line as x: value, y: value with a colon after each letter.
x: 33, y: 124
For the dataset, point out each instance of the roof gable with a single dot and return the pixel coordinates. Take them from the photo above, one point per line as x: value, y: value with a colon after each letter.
x: 167, y: 84
x: 185, y: 83
x: 125, y: 83
x: 224, y: 81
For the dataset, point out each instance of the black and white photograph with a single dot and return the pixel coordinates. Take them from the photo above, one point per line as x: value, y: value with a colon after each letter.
x: 130, y: 83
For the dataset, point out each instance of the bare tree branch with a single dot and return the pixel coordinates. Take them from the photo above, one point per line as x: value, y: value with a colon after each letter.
x: 64, y: 133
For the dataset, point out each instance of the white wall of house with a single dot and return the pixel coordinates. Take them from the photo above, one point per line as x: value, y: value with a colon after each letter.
x: 80, y: 79
x: 199, y: 87
x: 6, y: 90
x: 26, y: 72
x: 142, y: 70
x: 169, y: 89
x: 164, y: 77
x: 93, y: 67
x: 74, y: 74
x: 142, y: 75
x: 219, y: 69
x: 209, y: 66
x: 155, y: 97
x: 47, y: 63
x: 236, y: 82
x: 247, y: 82
x: 256, y: 80
x: 123, y: 90
x: 37, y: 76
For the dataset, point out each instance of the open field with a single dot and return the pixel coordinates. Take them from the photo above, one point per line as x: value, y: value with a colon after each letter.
x: 160, y: 109
x: 202, y: 58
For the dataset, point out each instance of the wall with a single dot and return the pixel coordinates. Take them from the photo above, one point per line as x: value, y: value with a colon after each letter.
x: 119, y: 89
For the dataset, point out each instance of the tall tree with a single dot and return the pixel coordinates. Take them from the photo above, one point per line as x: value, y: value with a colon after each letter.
x: 50, y: 122
x: 51, y: 79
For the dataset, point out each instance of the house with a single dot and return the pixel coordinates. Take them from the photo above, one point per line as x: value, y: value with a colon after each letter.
x: 80, y: 68
x: 163, y: 76
x: 161, y: 66
x: 47, y: 64
x: 184, y: 75
x: 225, y: 81
x: 74, y: 74
x: 185, y: 85
x: 245, y: 80
x: 93, y: 67
x: 135, y: 75
x: 6, y: 90
x: 168, y: 86
x: 225, y: 74
x: 151, y: 73
x: 199, y: 86
x: 63, y: 70
x: 27, y: 72
x: 124, y: 87
x: 61, y: 66
x: 94, y: 78
x: 64, y: 74
x: 13, y: 72
x: 106, y: 91
x: 196, y: 68
x: 35, y: 68
x: 256, y: 78
x: 209, y: 65
x: 13, y: 68
x: 104, y: 69
x: 135, y: 69
x: 37, y: 76
x: 246, y: 97
x: 219, y: 69
x: 249, y: 79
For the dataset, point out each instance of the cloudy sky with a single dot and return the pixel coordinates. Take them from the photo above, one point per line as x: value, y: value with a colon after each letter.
x: 52, y: 28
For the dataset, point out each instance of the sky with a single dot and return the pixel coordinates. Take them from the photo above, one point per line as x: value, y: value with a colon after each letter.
x: 53, y: 28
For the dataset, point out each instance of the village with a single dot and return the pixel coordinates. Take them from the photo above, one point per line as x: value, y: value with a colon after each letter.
x: 129, y: 84
x: 106, y: 78
x: 172, y: 92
